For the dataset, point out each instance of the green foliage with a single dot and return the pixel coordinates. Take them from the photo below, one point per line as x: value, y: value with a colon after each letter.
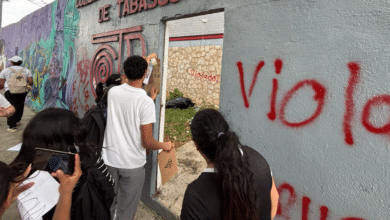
x: 177, y: 124
x: 175, y: 94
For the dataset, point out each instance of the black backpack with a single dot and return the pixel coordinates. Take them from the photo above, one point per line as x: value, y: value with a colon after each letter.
x: 95, y: 121
x: 92, y: 197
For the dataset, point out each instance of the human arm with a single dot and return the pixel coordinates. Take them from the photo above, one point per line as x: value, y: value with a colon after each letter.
x: 148, y: 141
x: 274, y: 199
x: 30, y: 80
x: 67, y: 184
x: 7, y: 112
x: 15, y: 189
x: 153, y: 92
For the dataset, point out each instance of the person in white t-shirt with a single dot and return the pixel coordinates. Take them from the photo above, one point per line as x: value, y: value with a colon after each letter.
x: 17, y: 100
x: 6, y: 109
x: 129, y: 133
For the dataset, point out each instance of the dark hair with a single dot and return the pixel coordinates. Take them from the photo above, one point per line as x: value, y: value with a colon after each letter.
x: 17, y: 63
x: 56, y: 129
x: 135, y: 67
x: 114, y: 79
x: 9, y: 175
x: 235, y: 179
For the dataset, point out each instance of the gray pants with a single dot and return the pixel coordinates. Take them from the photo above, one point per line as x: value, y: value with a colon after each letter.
x: 128, y: 189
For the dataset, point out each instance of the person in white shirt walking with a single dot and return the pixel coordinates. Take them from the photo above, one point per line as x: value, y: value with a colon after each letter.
x: 16, y: 81
x: 129, y: 133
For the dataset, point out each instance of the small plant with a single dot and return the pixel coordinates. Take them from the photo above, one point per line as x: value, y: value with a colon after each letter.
x: 177, y: 124
x: 175, y: 94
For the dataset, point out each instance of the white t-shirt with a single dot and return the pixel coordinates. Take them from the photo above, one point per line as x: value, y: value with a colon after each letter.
x: 7, y: 73
x: 127, y: 109
x: 4, y: 102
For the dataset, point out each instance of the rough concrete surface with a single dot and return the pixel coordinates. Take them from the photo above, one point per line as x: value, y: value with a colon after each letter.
x: 11, y: 139
x: 190, y: 165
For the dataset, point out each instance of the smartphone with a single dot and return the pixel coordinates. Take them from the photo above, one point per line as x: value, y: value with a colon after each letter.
x: 52, y: 160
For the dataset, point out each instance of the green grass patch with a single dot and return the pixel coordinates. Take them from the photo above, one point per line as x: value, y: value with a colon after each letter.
x: 177, y: 124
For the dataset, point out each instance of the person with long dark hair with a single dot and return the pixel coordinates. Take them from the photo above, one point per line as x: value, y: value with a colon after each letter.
x: 59, y: 129
x: 237, y: 183
x: 114, y: 79
x: 11, y: 185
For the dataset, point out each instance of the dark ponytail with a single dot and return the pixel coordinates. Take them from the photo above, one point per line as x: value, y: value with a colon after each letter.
x: 221, y: 146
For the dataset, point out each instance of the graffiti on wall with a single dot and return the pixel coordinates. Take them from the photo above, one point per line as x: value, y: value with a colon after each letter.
x: 319, y: 97
x: 205, y: 77
x: 289, y: 199
x: 52, y: 59
x: 91, y: 72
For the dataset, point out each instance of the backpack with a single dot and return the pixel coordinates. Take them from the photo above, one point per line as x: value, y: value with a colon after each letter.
x: 95, y: 121
x: 92, y: 197
x: 18, y: 82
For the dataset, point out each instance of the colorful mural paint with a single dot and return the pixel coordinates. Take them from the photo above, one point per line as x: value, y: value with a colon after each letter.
x: 49, y: 55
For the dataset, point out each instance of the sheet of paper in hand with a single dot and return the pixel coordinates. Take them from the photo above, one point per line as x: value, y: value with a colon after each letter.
x: 39, y: 199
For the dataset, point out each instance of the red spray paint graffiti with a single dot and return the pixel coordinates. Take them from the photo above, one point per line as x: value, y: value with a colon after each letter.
x: 241, y: 71
x: 278, y: 69
x: 376, y: 101
x: 319, y: 97
x: 204, y: 77
x: 354, y: 69
x: 284, y: 209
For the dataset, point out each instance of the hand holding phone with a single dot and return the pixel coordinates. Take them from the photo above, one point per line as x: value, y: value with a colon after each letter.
x: 52, y: 160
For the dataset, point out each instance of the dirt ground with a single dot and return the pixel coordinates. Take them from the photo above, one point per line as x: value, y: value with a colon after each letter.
x: 190, y: 165
x: 8, y: 140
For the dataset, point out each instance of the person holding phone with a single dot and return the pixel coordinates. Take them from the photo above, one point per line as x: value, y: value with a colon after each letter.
x: 60, y: 130
x: 11, y: 185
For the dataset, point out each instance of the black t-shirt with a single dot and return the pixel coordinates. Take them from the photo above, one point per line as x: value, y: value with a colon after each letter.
x: 201, y: 199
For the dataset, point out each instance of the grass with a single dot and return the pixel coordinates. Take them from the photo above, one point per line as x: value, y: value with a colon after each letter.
x: 177, y: 124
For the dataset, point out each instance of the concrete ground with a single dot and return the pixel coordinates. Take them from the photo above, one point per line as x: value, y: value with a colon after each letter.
x: 8, y: 140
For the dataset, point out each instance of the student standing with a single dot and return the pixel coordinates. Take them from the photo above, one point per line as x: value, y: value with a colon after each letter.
x: 129, y: 133
x: 16, y: 89
x: 237, y: 183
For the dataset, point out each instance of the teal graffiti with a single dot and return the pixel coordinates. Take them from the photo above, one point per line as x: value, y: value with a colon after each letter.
x: 52, y: 59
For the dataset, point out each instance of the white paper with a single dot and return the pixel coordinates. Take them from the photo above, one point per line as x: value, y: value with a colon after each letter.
x: 39, y: 199
x: 16, y: 147
x: 148, y: 73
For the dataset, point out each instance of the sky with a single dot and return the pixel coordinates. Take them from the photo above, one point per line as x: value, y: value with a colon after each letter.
x: 15, y: 10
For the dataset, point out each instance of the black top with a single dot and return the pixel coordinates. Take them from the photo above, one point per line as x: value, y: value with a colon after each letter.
x: 201, y: 199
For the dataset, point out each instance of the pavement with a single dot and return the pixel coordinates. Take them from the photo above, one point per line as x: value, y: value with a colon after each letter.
x: 8, y: 140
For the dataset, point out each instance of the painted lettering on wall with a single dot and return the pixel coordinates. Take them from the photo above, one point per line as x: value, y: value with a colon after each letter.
x: 129, y: 7
x: 82, y: 3
x: 205, y: 77
x: 308, y: 209
x: 320, y: 92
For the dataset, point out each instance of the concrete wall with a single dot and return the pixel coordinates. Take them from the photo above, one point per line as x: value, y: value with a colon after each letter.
x: 305, y: 83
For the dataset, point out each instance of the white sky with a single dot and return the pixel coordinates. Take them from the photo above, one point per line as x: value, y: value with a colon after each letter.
x: 15, y: 10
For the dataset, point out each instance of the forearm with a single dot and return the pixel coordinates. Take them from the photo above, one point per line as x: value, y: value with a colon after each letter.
x: 153, y: 144
x: 7, y: 112
x: 63, y: 208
